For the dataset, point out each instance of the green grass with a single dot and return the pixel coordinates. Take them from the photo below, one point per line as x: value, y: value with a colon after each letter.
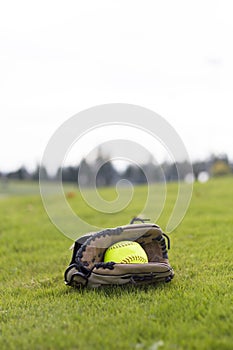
x: 194, y: 311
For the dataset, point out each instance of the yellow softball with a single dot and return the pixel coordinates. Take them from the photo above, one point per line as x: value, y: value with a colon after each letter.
x: 126, y: 252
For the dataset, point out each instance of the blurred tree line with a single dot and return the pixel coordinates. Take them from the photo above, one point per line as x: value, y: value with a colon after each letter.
x: 107, y: 174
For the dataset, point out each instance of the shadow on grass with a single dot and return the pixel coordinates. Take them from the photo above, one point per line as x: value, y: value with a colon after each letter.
x: 110, y: 290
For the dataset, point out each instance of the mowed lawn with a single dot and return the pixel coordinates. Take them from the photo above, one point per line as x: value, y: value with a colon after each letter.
x: 194, y: 311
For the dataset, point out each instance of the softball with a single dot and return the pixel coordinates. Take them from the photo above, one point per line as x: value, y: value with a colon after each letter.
x: 126, y: 252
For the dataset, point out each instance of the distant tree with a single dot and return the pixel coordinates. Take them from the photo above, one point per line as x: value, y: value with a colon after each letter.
x: 220, y: 168
x: 184, y: 168
x: 153, y: 172
x: 170, y: 171
x: 40, y: 171
x: 176, y: 171
x: 85, y: 174
x: 58, y: 175
x: 135, y: 174
x: 199, y: 167
x: 107, y: 175
x: 104, y: 170
x: 70, y: 174
x: 20, y: 174
x: 3, y: 181
x: 224, y: 157
x: 219, y: 165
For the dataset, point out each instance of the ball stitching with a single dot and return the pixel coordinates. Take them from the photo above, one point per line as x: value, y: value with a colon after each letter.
x: 128, y: 259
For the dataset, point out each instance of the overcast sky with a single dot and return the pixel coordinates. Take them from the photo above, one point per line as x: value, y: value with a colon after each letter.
x: 58, y: 58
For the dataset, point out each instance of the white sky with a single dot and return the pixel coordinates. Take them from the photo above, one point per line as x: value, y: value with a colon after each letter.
x: 58, y: 58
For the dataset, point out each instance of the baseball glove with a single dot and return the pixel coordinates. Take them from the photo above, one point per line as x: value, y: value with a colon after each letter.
x: 87, y: 266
